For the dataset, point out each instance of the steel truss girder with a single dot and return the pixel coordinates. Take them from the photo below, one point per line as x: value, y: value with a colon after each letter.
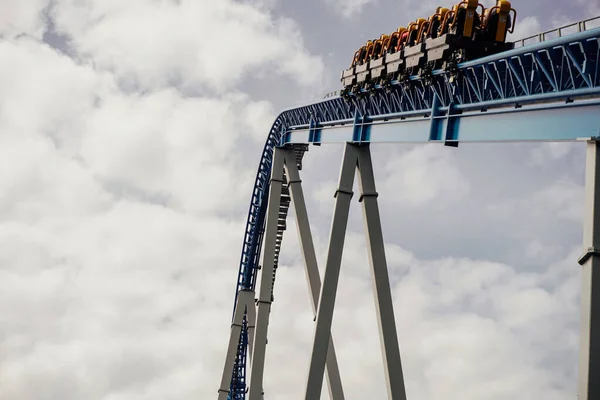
x: 357, y: 158
x: 566, y: 68
x: 537, y: 122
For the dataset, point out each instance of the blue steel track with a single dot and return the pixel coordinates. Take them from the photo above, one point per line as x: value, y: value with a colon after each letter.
x: 555, y: 82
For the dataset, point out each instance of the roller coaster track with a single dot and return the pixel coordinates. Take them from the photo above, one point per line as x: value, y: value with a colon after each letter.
x: 563, y: 70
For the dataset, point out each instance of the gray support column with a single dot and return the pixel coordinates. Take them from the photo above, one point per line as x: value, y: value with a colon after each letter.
x: 381, y: 281
x: 336, y: 391
x: 332, y: 271
x: 589, y: 351
x: 236, y: 328
x: 266, y: 278
x: 251, y: 324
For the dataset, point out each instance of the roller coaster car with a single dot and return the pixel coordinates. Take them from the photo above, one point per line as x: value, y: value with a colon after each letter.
x: 349, y: 75
x: 446, y: 39
x: 466, y: 35
x: 376, y: 64
x: 455, y: 35
x: 394, y: 59
x: 362, y: 70
x: 415, y: 46
x: 497, y: 23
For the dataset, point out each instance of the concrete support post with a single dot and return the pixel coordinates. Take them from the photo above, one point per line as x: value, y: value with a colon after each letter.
x: 589, y: 351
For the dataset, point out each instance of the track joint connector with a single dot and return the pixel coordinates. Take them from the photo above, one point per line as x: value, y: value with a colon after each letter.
x: 368, y: 194
x: 350, y: 192
x: 591, y: 251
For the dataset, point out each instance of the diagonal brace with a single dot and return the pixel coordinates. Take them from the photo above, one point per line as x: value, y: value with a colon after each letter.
x: 244, y: 306
x: 311, y: 267
x: 381, y: 281
x: 357, y: 157
x: 332, y: 271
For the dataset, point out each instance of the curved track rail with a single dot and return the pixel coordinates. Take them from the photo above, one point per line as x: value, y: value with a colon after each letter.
x: 562, y: 69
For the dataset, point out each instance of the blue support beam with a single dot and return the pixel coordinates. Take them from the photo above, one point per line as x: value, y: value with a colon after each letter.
x: 546, y: 122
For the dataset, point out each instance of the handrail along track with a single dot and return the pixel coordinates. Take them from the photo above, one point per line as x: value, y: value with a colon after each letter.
x: 566, y: 68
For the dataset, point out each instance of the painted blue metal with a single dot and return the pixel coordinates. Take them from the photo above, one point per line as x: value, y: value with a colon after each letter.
x: 540, y: 122
x: 446, y: 108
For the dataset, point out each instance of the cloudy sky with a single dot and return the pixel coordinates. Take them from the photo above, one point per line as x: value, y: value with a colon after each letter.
x: 130, y: 132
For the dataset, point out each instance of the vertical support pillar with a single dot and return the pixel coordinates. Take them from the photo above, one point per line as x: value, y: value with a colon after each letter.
x: 266, y: 281
x: 332, y: 271
x: 381, y: 281
x: 334, y: 380
x: 589, y: 350
x: 245, y: 303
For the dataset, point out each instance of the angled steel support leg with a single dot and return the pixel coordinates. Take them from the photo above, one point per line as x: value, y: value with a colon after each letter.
x: 589, y: 350
x: 381, y: 281
x: 266, y: 278
x: 245, y: 303
x: 332, y: 271
x: 251, y: 325
x: 334, y: 380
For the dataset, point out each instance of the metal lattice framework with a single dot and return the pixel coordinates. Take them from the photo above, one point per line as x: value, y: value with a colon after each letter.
x: 562, y: 69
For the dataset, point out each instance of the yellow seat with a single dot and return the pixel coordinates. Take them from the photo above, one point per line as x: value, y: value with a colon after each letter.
x: 379, y: 46
x: 465, y: 18
x: 435, y: 23
x: 498, y: 22
x: 393, y: 42
x: 413, y: 31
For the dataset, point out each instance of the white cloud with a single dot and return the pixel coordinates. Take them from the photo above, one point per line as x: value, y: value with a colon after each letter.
x: 592, y: 9
x: 425, y: 8
x: 123, y: 192
x: 463, y: 326
x: 349, y: 8
x: 424, y: 174
x: 552, y: 152
x: 563, y: 198
x: 525, y: 27
x: 22, y: 17
x: 121, y: 209
x: 188, y: 43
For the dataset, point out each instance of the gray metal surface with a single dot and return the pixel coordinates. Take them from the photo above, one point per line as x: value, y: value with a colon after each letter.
x: 334, y: 380
x: 266, y: 281
x: 381, y: 281
x: 332, y: 271
x: 357, y: 157
x: 245, y: 303
x: 589, y: 350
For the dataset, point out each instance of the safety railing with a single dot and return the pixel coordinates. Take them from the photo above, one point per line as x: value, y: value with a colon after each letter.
x: 569, y: 29
x: 335, y: 93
